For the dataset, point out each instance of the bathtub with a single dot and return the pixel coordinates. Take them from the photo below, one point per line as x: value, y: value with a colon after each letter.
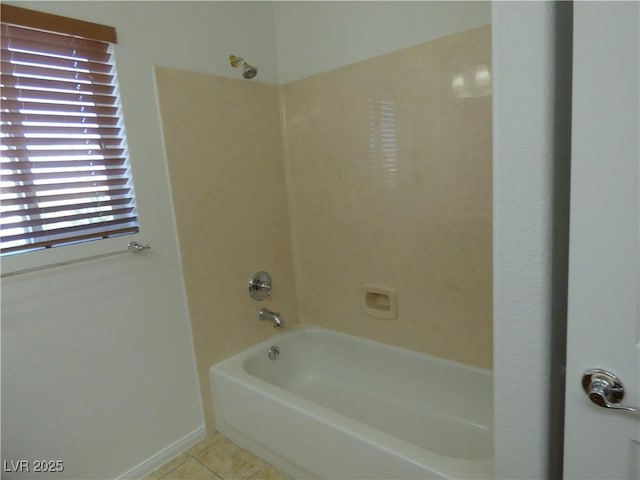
x: 334, y: 406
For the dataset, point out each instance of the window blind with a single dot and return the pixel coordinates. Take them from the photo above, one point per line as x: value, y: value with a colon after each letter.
x: 65, y: 170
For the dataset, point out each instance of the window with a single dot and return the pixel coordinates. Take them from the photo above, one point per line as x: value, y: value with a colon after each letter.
x: 65, y: 169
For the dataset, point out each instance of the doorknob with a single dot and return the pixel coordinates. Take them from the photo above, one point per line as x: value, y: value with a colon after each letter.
x: 605, y: 390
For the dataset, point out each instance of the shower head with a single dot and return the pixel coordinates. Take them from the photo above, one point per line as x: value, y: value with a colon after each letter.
x: 248, y: 71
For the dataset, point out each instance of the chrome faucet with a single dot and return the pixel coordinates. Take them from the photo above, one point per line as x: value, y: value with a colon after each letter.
x: 266, y: 314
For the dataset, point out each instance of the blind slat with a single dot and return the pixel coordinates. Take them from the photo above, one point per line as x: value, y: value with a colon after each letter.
x: 70, y: 159
x: 11, y: 93
x: 69, y: 85
x: 13, y: 44
x: 17, y: 143
x: 20, y: 106
x: 73, y: 119
x: 72, y: 239
x: 66, y: 164
x: 45, y: 223
x: 61, y: 234
x: 58, y: 131
x: 27, y: 212
x: 43, y: 179
x: 49, y: 71
x: 29, y: 179
x: 80, y: 197
x: 22, y: 58
x: 48, y: 187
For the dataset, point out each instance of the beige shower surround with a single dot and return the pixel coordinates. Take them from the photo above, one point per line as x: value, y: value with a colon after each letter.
x: 388, y: 182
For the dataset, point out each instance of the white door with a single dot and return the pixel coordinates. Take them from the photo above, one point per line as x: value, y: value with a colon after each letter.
x: 603, y: 323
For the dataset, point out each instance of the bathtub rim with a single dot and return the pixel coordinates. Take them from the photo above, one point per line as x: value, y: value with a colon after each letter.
x: 309, y: 327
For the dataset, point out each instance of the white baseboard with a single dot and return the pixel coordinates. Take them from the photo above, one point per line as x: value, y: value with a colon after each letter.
x: 163, y: 456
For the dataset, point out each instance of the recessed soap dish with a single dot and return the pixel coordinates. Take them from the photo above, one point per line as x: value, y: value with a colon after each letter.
x: 379, y: 302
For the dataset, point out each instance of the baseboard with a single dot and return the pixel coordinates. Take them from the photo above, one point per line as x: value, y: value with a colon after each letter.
x: 163, y: 456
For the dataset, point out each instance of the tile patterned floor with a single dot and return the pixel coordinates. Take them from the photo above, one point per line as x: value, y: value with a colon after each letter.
x: 216, y: 458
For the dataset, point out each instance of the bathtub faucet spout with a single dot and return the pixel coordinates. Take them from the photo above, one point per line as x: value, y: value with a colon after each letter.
x: 266, y: 314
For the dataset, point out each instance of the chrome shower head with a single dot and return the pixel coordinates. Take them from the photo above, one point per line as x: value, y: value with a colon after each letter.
x: 248, y: 71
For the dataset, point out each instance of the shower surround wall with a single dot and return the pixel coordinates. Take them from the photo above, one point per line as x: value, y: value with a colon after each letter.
x: 388, y: 181
x: 224, y: 151
x: 389, y: 175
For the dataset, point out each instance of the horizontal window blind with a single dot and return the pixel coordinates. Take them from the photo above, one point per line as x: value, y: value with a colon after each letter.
x: 65, y: 170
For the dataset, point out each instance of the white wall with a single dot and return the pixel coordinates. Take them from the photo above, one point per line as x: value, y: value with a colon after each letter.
x: 531, y: 112
x: 314, y: 37
x: 97, y: 358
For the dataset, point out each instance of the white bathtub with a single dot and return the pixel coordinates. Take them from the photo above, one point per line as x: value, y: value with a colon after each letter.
x: 334, y: 406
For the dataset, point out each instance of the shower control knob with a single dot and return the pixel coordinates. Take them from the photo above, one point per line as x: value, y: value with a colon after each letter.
x: 260, y: 286
x: 605, y: 390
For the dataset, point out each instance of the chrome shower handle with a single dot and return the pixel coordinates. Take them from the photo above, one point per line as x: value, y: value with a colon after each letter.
x: 605, y: 390
x: 260, y: 285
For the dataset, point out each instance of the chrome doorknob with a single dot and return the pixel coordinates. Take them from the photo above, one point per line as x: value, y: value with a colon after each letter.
x: 605, y: 390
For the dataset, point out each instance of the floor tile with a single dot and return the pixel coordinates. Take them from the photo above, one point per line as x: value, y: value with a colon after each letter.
x: 229, y: 461
x: 191, y: 470
x: 268, y: 472
x: 167, y: 467
x: 203, y: 444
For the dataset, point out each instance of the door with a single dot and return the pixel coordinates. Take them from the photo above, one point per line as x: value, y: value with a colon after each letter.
x: 603, y: 323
